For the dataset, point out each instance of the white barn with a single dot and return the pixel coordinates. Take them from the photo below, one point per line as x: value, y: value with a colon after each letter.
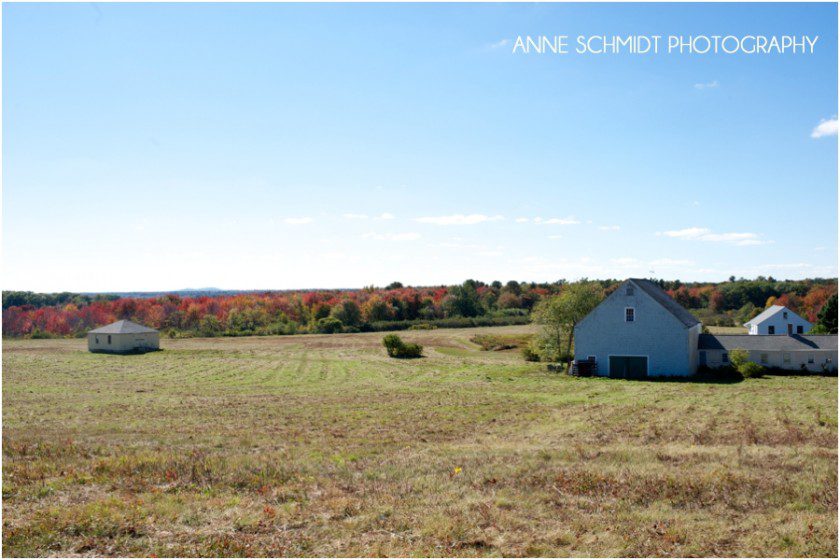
x: 778, y: 319
x: 123, y: 337
x: 639, y: 331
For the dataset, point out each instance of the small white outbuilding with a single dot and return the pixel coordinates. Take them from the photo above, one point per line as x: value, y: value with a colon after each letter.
x: 123, y: 337
x: 779, y: 320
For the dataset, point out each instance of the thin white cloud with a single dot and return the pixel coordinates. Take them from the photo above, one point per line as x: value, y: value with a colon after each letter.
x: 522, y: 220
x: 298, y: 221
x: 708, y: 85
x: 555, y: 237
x: 568, y: 221
x: 384, y: 216
x: 827, y: 127
x: 458, y: 219
x: 408, y: 236
x: 609, y: 228
x: 705, y: 234
x: 499, y: 44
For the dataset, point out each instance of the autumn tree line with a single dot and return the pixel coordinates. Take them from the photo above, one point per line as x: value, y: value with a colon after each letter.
x: 394, y: 307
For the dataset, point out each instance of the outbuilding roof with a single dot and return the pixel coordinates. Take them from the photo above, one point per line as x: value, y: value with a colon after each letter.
x: 123, y: 327
x: 768, y: 342
x: 662, y: 298
x: 769, y: 312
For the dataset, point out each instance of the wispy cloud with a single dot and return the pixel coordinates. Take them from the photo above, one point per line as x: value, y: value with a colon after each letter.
x: 298, y: 221
x: 384, y: 216
x: 570, y: 220
x: 609, y: 228
x: 498, y: 44
x: 458, y: 219
x: 705, y: 234
x: 827, y: 127
x: 407, y: 236
x: 708, y: 85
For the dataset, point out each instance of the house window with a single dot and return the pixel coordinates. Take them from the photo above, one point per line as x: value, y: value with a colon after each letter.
x: 764, y: 358
x: 724, y: 358
x: 629, y: 314
x: 799, y: 329
x: 771, y: 330
x: 590, y: 358
x: 784, y: 314
x: 96, y: 338
x: 786, y: 357
x: 811, y: 359
x: 629, y: 291
x: 109, y: 339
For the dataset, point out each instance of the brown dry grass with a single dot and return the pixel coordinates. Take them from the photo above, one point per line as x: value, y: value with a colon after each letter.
x: 322, y: 446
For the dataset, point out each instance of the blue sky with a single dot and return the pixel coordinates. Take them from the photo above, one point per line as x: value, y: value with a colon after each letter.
x: 155, y: 146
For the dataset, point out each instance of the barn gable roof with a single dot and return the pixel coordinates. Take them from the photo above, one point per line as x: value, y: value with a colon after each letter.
x: 123, y: 327
x: 659, y: 296
x: 768, y: 342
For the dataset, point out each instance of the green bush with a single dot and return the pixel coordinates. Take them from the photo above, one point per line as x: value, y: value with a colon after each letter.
x: 398, y: 349
x: 740, y: 358
x: 750, y: 369
x: 530, y: 354
x: 328, y: 325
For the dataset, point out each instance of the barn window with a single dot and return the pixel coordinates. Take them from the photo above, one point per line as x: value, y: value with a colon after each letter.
x: 629, y: 314
x: 786, y: 357
x: 764, y: 358
x: 724, y: 358
x: 629, y: 291
x: 784, y: 314
x: 109, y: 339
x: 771, y: 330
x: 96, y: 338
x: 799, y: 329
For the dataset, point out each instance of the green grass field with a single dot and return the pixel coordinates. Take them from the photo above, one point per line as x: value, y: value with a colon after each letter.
x: 323, y: 446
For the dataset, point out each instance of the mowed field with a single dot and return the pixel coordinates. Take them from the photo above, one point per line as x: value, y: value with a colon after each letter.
x: 323, y: 446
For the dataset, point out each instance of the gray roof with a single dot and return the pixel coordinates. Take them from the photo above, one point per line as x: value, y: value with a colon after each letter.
x: 123, y: 327
x: 768, y: 342
x: 767, y: 313
x: 658, y: 294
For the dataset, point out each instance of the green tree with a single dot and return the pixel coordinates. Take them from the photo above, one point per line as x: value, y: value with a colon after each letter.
x: 348, y: 312
x: 827, y: 317
x: 463, y: 300
x: 558, y: 315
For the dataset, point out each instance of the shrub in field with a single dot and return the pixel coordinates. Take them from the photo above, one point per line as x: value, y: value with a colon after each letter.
x: 398, y: 349
x: 740, y: 358
x: 530, y: 354
x: 328, y: 325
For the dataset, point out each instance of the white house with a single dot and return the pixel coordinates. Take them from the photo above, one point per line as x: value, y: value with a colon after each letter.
x: 814, y: 353
x: 639, y: 331
x: 778, y: 319
x: 123, y: 337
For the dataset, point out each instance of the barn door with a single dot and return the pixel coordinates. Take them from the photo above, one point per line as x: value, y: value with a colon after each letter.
x: 628, y: 367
